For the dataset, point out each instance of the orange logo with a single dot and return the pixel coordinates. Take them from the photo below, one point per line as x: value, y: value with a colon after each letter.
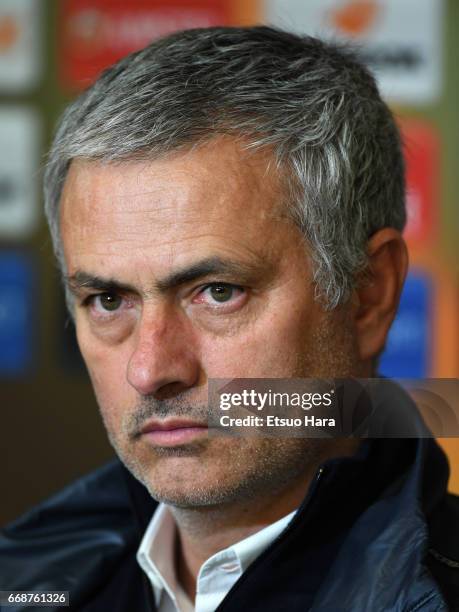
x: 355, y: 17
x: 9, y: 32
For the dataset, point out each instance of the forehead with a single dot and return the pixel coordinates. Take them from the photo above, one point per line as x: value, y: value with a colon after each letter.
x: 176, y: 205
x: 221, y: 166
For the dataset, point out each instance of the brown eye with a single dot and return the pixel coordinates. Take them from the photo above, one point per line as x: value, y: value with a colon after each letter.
x: 109, y: 301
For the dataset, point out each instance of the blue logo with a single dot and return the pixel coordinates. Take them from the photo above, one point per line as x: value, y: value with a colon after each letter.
x: 409, y: 346
x: 17, y: 310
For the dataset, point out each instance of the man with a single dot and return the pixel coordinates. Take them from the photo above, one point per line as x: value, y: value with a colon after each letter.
x: 228, y: 203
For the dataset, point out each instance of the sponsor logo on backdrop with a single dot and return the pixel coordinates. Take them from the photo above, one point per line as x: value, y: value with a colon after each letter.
x: 97, y: 33
x: 422, y: 156
x: 354, y: 18
x: 400, y: 40
x: 20, y: 45
x: 17, y: 306
x: 19, y: 162
x: 408, y: 352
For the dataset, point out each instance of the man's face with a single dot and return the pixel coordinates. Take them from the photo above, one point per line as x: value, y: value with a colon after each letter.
x: 186, y: 269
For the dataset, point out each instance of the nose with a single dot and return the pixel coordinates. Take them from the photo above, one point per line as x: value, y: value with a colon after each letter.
x: 165, y: 358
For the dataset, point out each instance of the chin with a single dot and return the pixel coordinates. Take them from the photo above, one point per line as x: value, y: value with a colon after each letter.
x: 195, y: 494
x: 175, y: 481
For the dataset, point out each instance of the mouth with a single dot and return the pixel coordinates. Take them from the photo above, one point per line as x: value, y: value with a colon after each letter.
x: 173, y: 432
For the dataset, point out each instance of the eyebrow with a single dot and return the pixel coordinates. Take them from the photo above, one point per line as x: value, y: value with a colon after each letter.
x: 244, y: 273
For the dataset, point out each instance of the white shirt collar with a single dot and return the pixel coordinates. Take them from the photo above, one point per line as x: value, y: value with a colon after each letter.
x: 216, y: 576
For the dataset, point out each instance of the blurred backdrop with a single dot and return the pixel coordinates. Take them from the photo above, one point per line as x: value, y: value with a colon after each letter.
x: 50, y: 50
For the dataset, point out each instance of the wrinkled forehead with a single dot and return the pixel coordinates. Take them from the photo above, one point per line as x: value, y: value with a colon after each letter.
x: 218, y: 193
x: 222, y: 169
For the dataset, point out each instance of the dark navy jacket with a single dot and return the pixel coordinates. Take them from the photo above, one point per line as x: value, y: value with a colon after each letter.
x: 376, y: 532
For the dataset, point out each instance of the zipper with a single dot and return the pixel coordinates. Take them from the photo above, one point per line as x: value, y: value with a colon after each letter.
x: 304, y: 504
x: 445, y: 560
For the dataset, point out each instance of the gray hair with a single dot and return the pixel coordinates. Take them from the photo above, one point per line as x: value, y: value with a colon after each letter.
x: 313, y: 103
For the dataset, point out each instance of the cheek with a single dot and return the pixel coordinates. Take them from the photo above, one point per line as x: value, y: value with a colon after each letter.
x: 271, y: 347
x: 107, y: 370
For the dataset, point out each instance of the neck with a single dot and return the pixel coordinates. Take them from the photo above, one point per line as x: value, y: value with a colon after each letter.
x: 203, y: 531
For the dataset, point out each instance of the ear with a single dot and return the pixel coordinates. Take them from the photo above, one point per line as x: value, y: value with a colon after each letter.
x: 379, y: 292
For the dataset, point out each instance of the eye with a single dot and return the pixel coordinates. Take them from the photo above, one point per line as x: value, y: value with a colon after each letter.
x: 109, y: 301
x: 103, y: 303
x: 221, y: 296
x: 221, y: 293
